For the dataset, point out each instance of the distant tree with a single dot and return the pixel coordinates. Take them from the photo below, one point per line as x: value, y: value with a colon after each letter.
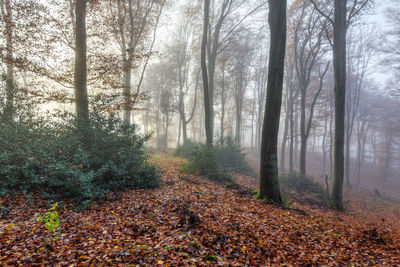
x: 218, y: 34
x: 241, y: 68
x: 269, y: 180
x: 359, y: 53
x: 131, y: 20
x: 340, y: 22
x: 181, y: 55
x: 260, y: 77
x: 308, y: 43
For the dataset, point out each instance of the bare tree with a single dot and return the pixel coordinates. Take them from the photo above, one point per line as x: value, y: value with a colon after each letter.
x: 340, y: 22
x: 308, y: 43
x: 181, y: 51
x: 359, y: 47
x: 242, y: 56
x: 131, y: 20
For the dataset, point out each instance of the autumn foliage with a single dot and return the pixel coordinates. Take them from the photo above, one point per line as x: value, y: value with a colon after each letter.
x: 190, y: 220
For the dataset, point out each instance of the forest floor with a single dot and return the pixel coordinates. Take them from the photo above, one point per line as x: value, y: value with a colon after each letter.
x: 190, y: 220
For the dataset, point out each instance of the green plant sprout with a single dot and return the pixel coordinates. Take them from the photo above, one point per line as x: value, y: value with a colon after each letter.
x: 51, y: 221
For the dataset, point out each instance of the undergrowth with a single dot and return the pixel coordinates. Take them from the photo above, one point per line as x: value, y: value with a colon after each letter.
x: 215, y: 162
x: 45, y: 154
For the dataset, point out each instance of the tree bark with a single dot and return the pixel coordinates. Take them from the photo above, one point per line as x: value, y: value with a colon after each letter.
x: 10, y: 86
x: 207, y: 102
x: 80, y: 75
x: 269, y: 180
x: 339, y: 61
x: 284, y: 139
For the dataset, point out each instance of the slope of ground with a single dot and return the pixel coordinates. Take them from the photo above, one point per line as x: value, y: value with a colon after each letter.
x: 192, y: 221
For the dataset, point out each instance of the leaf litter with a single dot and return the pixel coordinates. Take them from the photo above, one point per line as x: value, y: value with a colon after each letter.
x: 190, y: 220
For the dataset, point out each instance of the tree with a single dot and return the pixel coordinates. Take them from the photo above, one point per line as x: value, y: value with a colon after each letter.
x: 269, y: 180
x: 340, y: 23
x: 308, y: 44
x: 131, y: 20
x: 242, y: 55
x: 261, y: 77
x: 80, y: 71
x: 215, y: 39
x: 181, y: 51
x: 204, y: 71
x: 358, y: 57
x: 6, y: 13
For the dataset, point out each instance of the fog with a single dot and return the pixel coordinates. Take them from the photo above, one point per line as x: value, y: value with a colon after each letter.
x: 213, y: 132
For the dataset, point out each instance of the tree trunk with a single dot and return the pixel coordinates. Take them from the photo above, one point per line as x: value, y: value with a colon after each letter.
x: 184, y: 131
x: 166, y: 131
x: 126, y: 93
x: 339, y: 59
x: 10, y: 86
x: 284, y: 139
x: 331, y: 144
x: 238, y: 122
x: 222, y: 118
x: 207, y: 103
x: 303, y: 137
x: 80, y: 75
x: 296, y: 135
x: 269, y: 180
x: 324, y: 146
x: 179, y: 133
x: 347, y: 161
x: 291, y: 144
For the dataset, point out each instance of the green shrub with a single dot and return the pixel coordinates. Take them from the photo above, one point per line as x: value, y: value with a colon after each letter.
x: 303, y: 185
x: 186, y: 149
x: 204, y: 160
x: 46, y: 154
x: 215, y: 162
x: 231, y: 157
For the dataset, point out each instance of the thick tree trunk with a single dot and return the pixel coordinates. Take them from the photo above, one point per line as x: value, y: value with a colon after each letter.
x: 339, y: 60
x: 206, y: 89
x: 80, y: 75
x: 269, y: 180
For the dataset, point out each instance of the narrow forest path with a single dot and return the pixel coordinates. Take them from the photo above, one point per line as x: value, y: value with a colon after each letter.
x: 190, y: 220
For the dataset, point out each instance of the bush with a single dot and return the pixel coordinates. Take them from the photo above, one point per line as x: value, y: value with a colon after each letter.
x: 186, y: 149
x: 231, y: 157
x: 47, y: 155
x: 224, y: 157
x: 303, y: 185
x: 204, y: 160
